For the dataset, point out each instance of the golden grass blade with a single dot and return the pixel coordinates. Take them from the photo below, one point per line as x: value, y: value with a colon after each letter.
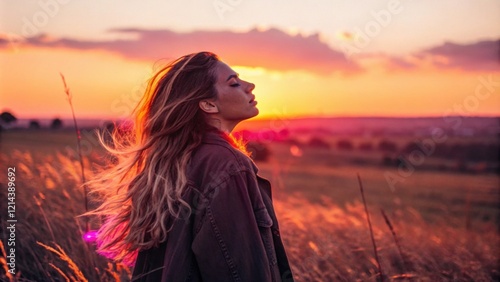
x: 79, y: 148
x: 63, y: 256
x: 3, y: 261
x: 39, y: 204
x: 381, y: 275
x: 60, y: 272
x: 395, y: 237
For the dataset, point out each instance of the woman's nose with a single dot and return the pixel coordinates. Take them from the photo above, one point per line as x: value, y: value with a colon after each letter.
x: 250, y: 87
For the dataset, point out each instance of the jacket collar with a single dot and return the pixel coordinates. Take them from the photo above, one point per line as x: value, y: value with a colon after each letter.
x: 215, y: 137
x: 220, y: 138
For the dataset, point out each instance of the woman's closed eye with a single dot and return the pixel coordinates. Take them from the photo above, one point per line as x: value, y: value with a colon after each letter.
x: 235, y: 85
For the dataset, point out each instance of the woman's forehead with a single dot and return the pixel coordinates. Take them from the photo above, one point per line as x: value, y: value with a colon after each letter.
x: 224, y: 72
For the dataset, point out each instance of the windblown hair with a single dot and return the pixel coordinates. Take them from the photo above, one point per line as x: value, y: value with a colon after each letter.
x: 142, y: 191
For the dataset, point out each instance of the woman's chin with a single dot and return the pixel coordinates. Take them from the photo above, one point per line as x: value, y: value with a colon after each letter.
x: 256, y: 112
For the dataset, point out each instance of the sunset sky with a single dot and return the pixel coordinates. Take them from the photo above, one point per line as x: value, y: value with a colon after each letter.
x: 307, y: 58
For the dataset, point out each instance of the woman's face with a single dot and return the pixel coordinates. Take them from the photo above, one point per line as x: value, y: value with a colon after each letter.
x: 235, y: 100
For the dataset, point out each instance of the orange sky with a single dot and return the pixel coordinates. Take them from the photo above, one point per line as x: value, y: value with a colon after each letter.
x: 107, y: 85
x: 296, y: 73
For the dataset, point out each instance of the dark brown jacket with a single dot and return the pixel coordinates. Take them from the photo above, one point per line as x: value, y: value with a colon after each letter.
x: 232, y: 233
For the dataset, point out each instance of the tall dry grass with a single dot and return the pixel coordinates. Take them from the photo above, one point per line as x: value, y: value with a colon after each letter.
x: 48, y: 235
x: 325, y: 242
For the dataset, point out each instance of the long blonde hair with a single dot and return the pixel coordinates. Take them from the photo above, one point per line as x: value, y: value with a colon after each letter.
x: 144, y: 187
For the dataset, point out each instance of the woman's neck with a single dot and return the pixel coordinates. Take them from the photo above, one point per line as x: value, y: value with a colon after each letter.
x: 223, y: 125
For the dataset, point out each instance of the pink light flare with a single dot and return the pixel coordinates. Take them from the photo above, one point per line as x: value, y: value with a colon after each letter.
x: 90, y: 236
x: 295, y: 151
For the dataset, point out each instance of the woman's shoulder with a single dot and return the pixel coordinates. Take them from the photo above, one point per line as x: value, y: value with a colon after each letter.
x: 215, y: 154
x: 215, y: 161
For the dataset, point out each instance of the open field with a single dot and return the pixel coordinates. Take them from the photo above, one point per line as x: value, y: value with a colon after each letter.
x: 447, y: 223
x: 434, y: 194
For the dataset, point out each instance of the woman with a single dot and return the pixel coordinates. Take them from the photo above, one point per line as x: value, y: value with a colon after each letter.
x: 183, y: 202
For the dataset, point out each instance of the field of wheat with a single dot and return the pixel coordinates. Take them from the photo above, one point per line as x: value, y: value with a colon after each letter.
x: 326, y: 240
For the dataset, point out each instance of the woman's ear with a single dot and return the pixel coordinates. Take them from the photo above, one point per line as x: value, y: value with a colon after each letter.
x: 208, y: 107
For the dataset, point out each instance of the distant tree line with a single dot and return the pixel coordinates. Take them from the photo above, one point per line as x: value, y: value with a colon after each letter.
x: 473, y: 151
x: 7, y: 119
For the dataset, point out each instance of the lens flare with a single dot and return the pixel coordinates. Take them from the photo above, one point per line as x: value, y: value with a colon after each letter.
x: 90, y: 236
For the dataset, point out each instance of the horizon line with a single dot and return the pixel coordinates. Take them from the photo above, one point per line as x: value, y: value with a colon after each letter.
x: 270, y: 117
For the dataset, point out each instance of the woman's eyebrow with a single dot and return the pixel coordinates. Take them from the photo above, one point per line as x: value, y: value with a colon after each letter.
x: 232, y: 76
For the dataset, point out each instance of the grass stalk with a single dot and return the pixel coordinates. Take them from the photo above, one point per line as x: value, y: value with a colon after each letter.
x: 3, y: 260
x: 396, y: 240
x: 39, y: 204
x: 63, y: 256
x: 79, y: 148
x: 66, y: 278
x: 381, y: 275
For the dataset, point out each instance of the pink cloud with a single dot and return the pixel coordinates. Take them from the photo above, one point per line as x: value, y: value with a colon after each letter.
x: 475, y: 57
x: 479, y: 56
x: 272, y: 49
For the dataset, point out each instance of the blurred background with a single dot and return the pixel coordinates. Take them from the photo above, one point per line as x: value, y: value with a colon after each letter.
x: 404, y: 93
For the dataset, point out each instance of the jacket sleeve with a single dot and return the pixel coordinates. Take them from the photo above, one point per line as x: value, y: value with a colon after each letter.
x: 230, y: 242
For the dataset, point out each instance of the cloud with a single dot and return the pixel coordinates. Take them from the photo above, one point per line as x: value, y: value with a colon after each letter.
x: 272, y: 49
x: 399, y: 63
x: 387, y: 62
x: 479, y: 56
x: 482, y: 56
x: 275, y: 50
